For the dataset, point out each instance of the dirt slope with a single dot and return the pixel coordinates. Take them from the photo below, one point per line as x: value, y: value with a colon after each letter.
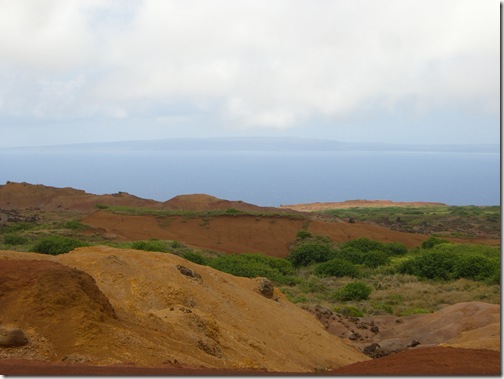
x: 429, y: 361
x: 472, y: 325
x: 29, y: 196
x: 239, y: 233
x: 421, y: 361
x: 202, y: 202
x: 162, y: 316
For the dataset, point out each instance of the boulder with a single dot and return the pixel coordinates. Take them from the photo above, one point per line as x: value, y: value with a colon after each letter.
x: 265, y: 287
x: 188, y: 272
x: 10, y: 337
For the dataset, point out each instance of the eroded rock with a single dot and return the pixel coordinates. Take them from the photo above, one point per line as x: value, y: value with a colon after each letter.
x: 188, y: 272
x: 265, y: 287
x: 11, y: 337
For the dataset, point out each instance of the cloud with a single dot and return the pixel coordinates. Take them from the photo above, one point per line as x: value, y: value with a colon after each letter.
x: 248, y: 63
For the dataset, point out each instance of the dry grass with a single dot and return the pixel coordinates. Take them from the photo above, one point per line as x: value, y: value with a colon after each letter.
x: 396, y: 294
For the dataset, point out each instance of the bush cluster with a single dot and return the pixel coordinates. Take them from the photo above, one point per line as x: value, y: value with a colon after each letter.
x: 310, y: 252
x: 150, y: 245
x: 254, y: 265
x: 366, y: 245
x: 353, y: 291
x: 195, y: 258
x: 337, y: 267
x: 446, y: 261
x: 55, y: 245
x: 369, y: 253
x: 432, y: 241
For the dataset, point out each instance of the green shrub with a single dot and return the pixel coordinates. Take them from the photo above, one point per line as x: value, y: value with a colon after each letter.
x: 469, y: 249
x: 350, y: 254
x: 150, y: 245
x: 364, y: 245
x: 430, y: 242
x: 195, y: 258
x: 395, y: 248
x: 353, y: 291
x: 431, y: 265
x: 15, y: 239
x: 176, y: 245
x: 337, y: 267
x: 311, y: 252
x: 55, y: 245
x: 475, y: 267
x: 496, y: 277
x: 303, y: 234
x: 375, y: 259
x: 254, y: 265
x: 102, y: 206
x: 348, y: 311
x: 407, y: 267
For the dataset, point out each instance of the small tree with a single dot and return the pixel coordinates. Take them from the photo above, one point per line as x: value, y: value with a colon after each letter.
x: 353, y: 291
x: 350, y: 254
x: 337, y: 267
x: 430, y: 242
x: 310, y: 252
x: 475, y: 267
x: 395, y: 248
x: 375, y: 259
x: 365, y: 245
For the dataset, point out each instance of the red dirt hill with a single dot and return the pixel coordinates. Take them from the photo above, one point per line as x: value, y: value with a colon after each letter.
x: 202, y: 202
x: 126, y: 310
x: 269, y: 235
x: 37, y: 196
x: 168, y: 311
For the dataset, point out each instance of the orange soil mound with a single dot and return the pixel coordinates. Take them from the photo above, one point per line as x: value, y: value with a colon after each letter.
x: 163, y: 317
x: 28, y: 196
x: 318, y: 206
x: 429, y: 361
x: 202, y: 202
x: 56, y: 305
x: 269, y: 235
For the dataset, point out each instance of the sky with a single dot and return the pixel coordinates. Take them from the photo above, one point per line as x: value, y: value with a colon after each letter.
x: 395, y: 71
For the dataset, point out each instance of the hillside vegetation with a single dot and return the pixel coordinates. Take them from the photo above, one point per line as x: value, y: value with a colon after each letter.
x: 357, y: 277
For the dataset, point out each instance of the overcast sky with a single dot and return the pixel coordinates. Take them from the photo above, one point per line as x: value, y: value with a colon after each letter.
x: 400, y: 71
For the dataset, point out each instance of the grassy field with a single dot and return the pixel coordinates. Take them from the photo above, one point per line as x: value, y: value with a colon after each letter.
x: 449, y: 221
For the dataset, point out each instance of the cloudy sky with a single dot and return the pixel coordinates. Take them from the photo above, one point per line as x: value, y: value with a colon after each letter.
x: 397, y: 71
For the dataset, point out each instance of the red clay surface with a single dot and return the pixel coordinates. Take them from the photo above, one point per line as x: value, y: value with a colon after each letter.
x: 270, y: 235
x: 418, y: 361
x: 429, y: 361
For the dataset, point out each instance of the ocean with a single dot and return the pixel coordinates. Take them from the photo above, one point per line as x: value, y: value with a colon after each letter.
x: 267, y: 178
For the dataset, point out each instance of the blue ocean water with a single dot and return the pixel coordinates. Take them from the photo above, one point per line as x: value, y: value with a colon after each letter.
x: 267, y: 178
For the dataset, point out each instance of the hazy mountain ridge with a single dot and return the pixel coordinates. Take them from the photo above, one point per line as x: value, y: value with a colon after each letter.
x: 257, y: 144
